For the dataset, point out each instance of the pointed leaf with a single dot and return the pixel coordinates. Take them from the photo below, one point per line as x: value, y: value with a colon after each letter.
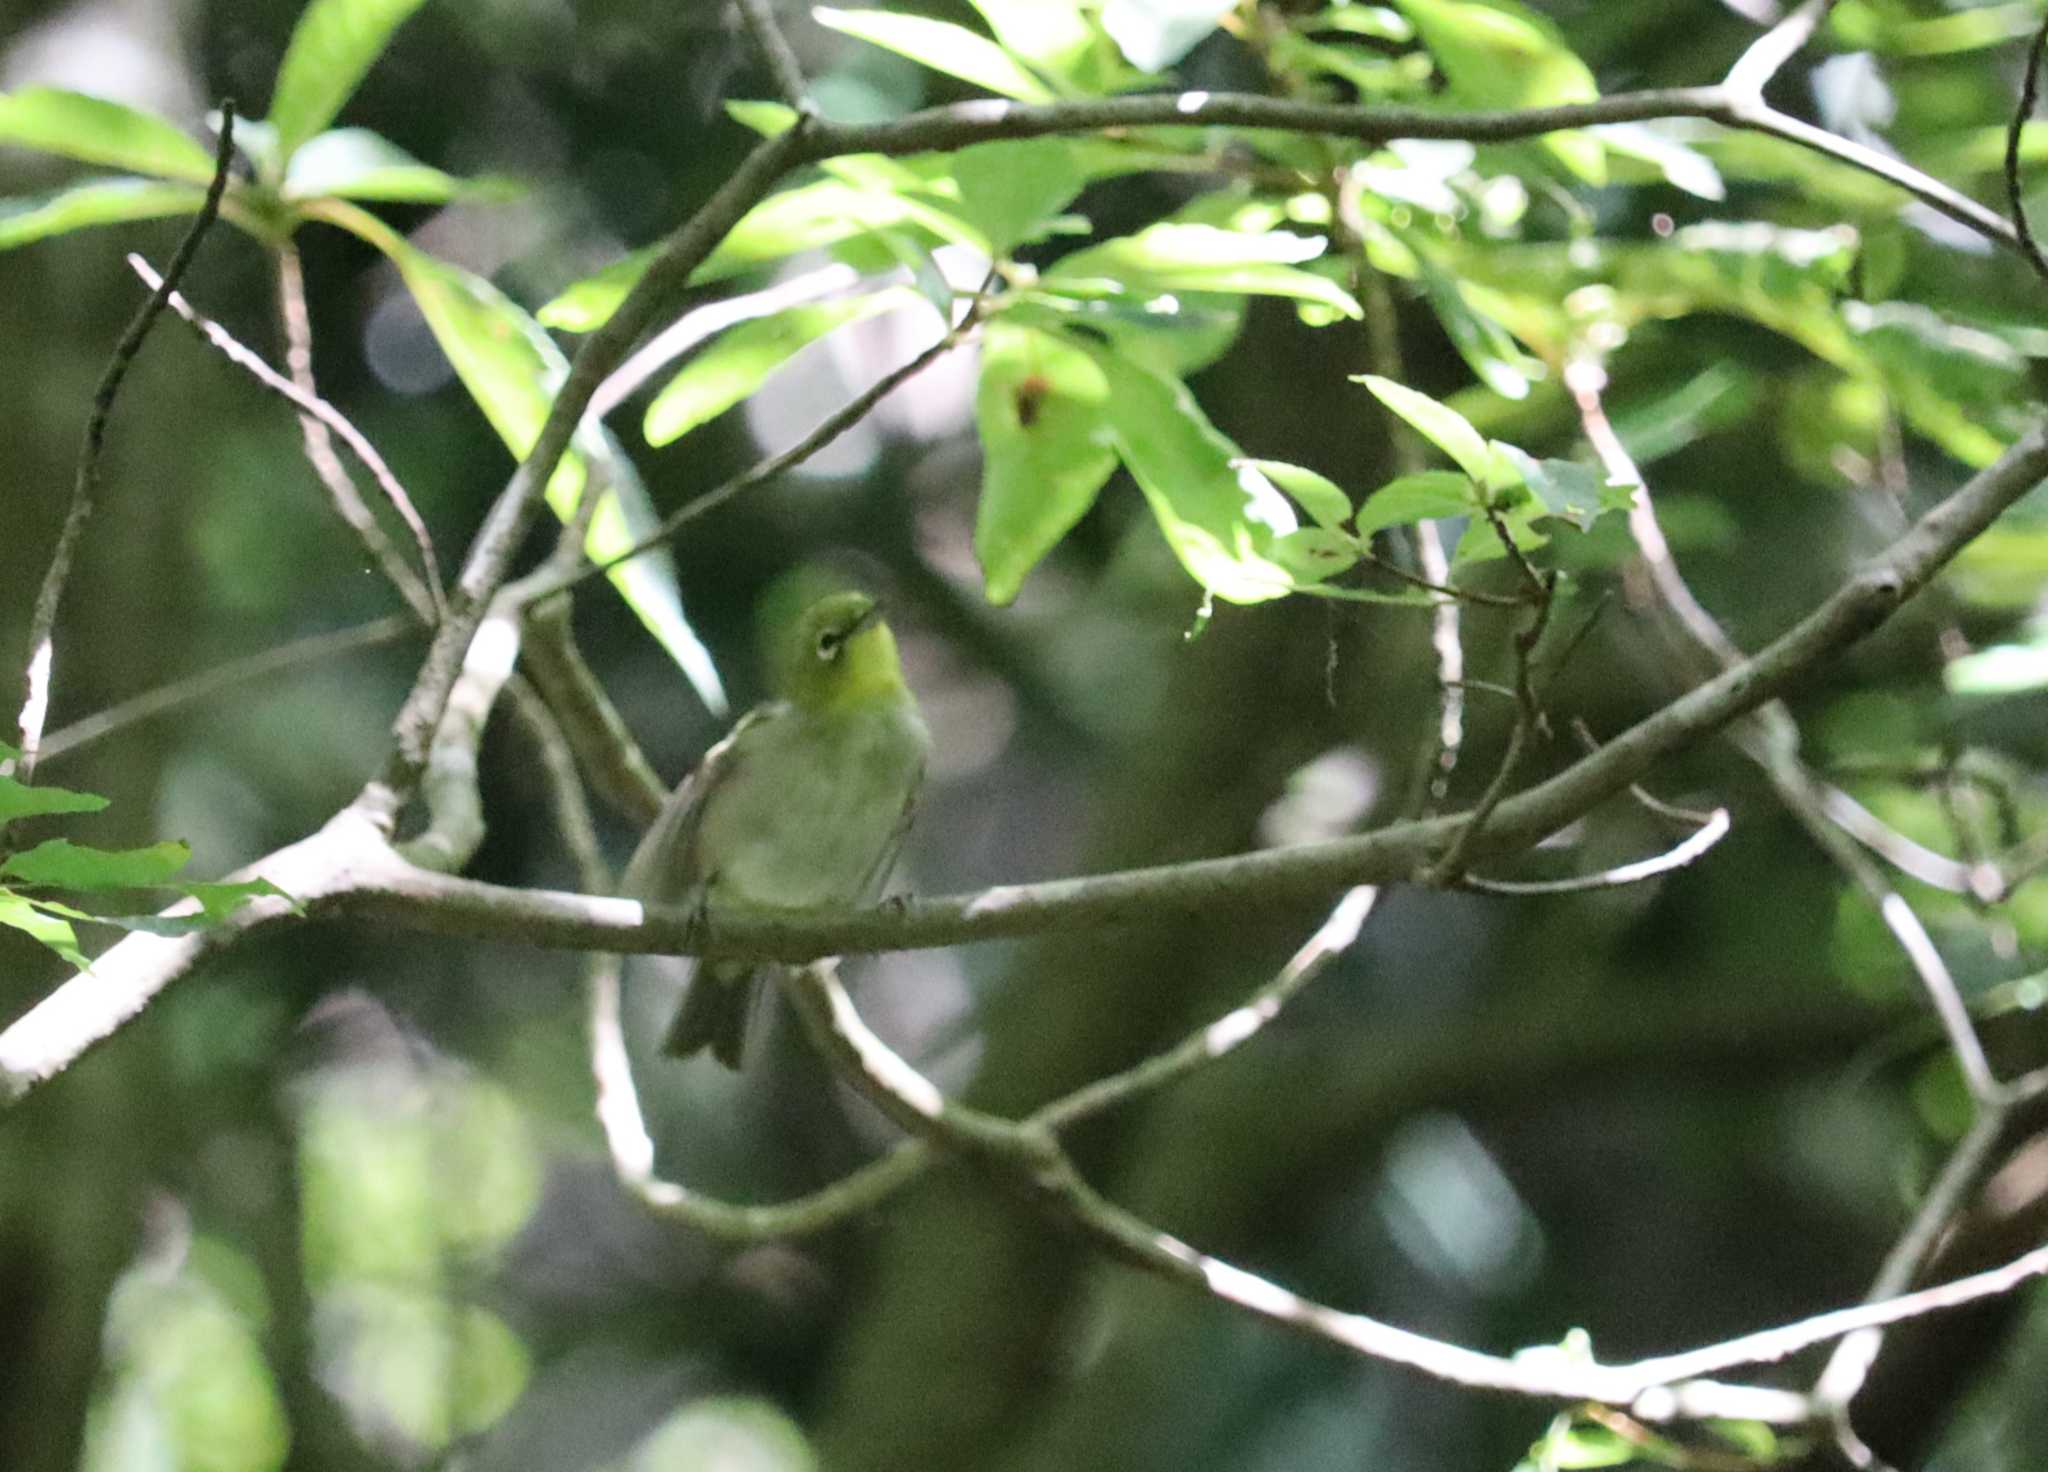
x: 1043, y: 436
x: 512, y: 368
x: 1578, y: 493
x: 1053, y: 35
x: 18, y: 800
x: 745, y: 357
x: 942, y: 46
x: 97, y: 202
x: 1428, y: 495
x: 1010, y: 189
x: 1502, y: 54
x: 68, y: 865
x: 1221, y: 524
x: 101, y: 132
x: 804, y: 218
x: 1443, y: 427
x: 1322, y: 498
x: 18, y: 913
x: 332, y: 46
x: 1194, y: 257
x: 356, y: 163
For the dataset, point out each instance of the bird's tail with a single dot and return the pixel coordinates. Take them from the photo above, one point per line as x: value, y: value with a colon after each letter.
x: 714, y: 1014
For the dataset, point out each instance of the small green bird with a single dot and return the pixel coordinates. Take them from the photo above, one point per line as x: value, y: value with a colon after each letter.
x: 803, y: 805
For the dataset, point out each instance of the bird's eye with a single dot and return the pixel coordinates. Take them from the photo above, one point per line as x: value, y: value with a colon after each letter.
x: 829, y: 644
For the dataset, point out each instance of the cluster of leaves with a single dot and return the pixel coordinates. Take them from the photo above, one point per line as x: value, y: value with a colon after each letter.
x: 30, y: 878
x: 302, y: 171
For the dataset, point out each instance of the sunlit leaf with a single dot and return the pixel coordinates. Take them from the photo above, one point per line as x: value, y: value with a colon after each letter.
x: 19, y: 913
x: 1375, y: 21
x: 1443, y: 427
x: 1682, y: 166
x: 942, y: 46
x: 1039, y: 410
x: 334, y: 43
x: 821, y: 213
x: 1502, y: 54
x: 1196, y: 257
x: 1221, y: 524
x: 742, y: 359
x: 1053, y: 35
x: 1428, y: 495
x: 96, y: 202
x: 1009, y: 189
x: 356, y: 163
x: 1154, y: 34
x: 19, y: 800
x: 725, y: 1434
x: 101, y: 132
x: 1322, y: 498
x: 1314, y: 553
x: 512, y: 369
x: 68, y: 865
x: 1857, y: 23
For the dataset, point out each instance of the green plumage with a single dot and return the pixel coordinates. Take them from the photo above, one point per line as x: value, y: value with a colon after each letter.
x: 804, y: 805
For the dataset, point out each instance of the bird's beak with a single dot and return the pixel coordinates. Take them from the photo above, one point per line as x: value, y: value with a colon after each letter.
x: 872, y: 616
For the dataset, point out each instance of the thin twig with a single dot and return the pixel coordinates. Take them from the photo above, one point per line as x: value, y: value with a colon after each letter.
x: 1771, y: 741
x: 2015, y: 196
x: 1767, y: 55
x: 1025, y: 1156
x: 42, y: 624
x: 827, y: 430
x: 318, y: 411
x: 1705, y: 837
x: 342, y: 496
x: 782, y: 62
x: 209, y: 683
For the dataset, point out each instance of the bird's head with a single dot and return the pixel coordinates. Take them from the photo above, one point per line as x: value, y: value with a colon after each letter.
x: 841, y: 654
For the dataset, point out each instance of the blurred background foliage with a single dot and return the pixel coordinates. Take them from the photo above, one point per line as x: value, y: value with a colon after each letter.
x: 339, y: 1202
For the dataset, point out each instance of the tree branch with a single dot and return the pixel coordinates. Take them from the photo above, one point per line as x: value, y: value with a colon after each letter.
x: 42, y: 622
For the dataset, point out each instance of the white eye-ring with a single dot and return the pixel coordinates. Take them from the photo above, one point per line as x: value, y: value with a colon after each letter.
x: 829, y: 643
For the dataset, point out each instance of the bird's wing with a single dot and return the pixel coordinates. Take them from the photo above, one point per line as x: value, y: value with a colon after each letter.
x: 667, y: 864
x: 885, y: 861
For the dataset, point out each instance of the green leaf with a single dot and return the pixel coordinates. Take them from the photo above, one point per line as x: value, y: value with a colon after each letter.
x: 1501, y: 54
x: 18, y: 800
x: 1053, y: 35
x: 355, y: 163
x: 332, y: 46
x: 512, y: 369
x: 1482, y: 342
x: 1374, y: 21
x: 954, y: 50
x: 97, y: 202
x: 101, y: 132
x: 769, y: 119
x: 742, y: 359
x: 1154, y: 34
x: 1192, y: 257
x: 20, y: 913
x: 68, y: 865
x: 1221, y: 524
x: 217, y: 902
x: 1039, y: 409
x: 1010, y: 189
x: 821, y: 213
x: 1578, y: 493
x: 1518, y: 511
x: 1443, y: 427
x: 1322, y: 498
x: 1314, y: 553
x: 1428, y: 495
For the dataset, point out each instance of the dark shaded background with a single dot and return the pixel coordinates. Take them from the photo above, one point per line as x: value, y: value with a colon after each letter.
x: 338, y: 1202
